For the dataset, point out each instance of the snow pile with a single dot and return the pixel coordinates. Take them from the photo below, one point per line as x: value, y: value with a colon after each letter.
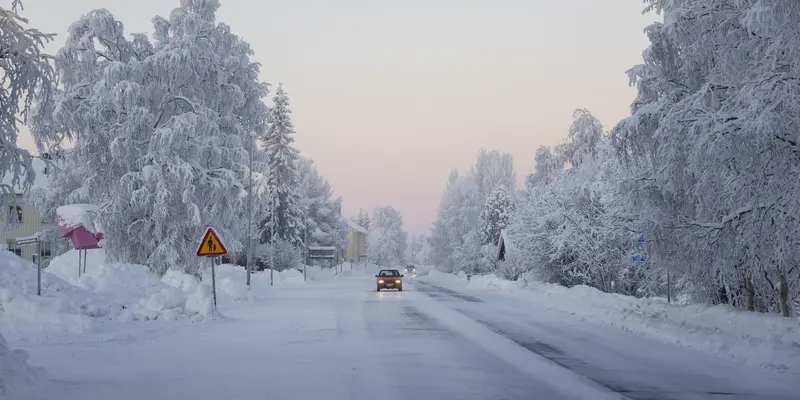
x: 73, y: 305
x: 231, y: 281
x: 62, y: 306
x: 180, y: 280
x: 318, y: 273
x: 130, y: 292
x: 15, y: 371
x: 764, y: 340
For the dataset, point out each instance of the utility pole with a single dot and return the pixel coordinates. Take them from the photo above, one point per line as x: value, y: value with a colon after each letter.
x: 272, y: 249
x: 250, y: 214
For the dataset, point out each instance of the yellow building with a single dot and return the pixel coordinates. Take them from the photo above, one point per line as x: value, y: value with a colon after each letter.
x: 21, y: 218
x: 356, y: 242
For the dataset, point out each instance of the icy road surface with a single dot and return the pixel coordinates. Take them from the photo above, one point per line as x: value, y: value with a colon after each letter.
x: 342, y: 340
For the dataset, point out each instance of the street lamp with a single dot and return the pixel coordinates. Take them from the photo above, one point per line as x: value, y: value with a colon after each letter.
x: 272, y: 250
x: 250, y: 211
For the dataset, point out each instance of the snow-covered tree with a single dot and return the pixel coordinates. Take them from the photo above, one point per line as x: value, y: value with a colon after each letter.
x: 495, y: 215
x: 283, y: 253
x: 493, y: 169
x: 416, y: 248
x: 712, y: 136
x: 284, y: 182
x: 458, y: 215
x: 458, y: 219
x: 361, y: 219
x: 386, y: 240
x: 547, y: 164
x: 585, y: 134
x: 27, y: 76
x: 324, y: 225
x: 159, y: 131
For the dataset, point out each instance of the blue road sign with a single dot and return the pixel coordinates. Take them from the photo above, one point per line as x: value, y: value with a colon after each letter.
x: 352, y: 260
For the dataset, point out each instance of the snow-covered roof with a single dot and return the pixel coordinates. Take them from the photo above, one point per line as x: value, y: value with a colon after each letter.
x: 77, y: 214
x: 356, y: 227
x: 41, y: 180
x: 319, y: 248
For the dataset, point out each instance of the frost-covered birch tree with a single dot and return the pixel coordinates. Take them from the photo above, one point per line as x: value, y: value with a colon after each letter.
x: 493, y: 169
x: 712, y: 134
x: 456, y: 234
x: 323, y: 222
x: 159, y: 130
x: 386, y: 240
x: 458, y: 215
x: 27, y: 77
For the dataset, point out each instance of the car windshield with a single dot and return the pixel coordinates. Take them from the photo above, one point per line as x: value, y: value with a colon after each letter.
x: 389, y: 273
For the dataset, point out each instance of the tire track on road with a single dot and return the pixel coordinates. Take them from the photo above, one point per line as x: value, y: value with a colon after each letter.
x: 556, y: 355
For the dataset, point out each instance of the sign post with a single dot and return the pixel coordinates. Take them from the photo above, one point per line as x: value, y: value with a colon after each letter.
x: 352, y: 260
x: 323, y: 253
x: 27, y: 241
x: 211, y: 246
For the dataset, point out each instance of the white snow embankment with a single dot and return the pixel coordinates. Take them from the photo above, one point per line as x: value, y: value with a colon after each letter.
x: 765, y: 340
x: 130, y: 291
x: 74, y: 305
x: 15, y: 373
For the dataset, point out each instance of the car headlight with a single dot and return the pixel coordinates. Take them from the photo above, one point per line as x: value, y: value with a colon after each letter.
x: 397, y: 281
x: 380, y: 281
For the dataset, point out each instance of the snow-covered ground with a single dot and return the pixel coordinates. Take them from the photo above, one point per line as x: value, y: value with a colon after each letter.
x: 756, y: 339
x: 336, y: 337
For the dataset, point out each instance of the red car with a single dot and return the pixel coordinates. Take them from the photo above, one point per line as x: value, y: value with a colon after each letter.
x: 390, y: 279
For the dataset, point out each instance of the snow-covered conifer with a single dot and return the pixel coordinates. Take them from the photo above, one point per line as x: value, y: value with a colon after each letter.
x: 284, y: 182
x: 495, y: 215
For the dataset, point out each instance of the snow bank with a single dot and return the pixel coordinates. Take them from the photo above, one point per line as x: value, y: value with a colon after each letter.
x: 73, y: 305
x: 15, y: 373
x: 764, y: 340
x: 62, y: 306
x: 130, y: 292
x: 317, y: 273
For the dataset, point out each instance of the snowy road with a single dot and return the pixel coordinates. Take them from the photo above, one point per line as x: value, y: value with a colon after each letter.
x: 342, y: 340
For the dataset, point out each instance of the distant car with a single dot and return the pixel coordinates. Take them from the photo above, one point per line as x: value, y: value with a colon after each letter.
x: 411, y: 270
x: 390, y: 279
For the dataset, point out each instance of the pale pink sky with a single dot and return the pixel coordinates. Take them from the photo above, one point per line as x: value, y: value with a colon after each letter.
x: 388, y: 96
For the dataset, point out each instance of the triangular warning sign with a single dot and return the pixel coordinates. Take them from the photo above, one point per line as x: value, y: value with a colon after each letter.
x: 211, y: 246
